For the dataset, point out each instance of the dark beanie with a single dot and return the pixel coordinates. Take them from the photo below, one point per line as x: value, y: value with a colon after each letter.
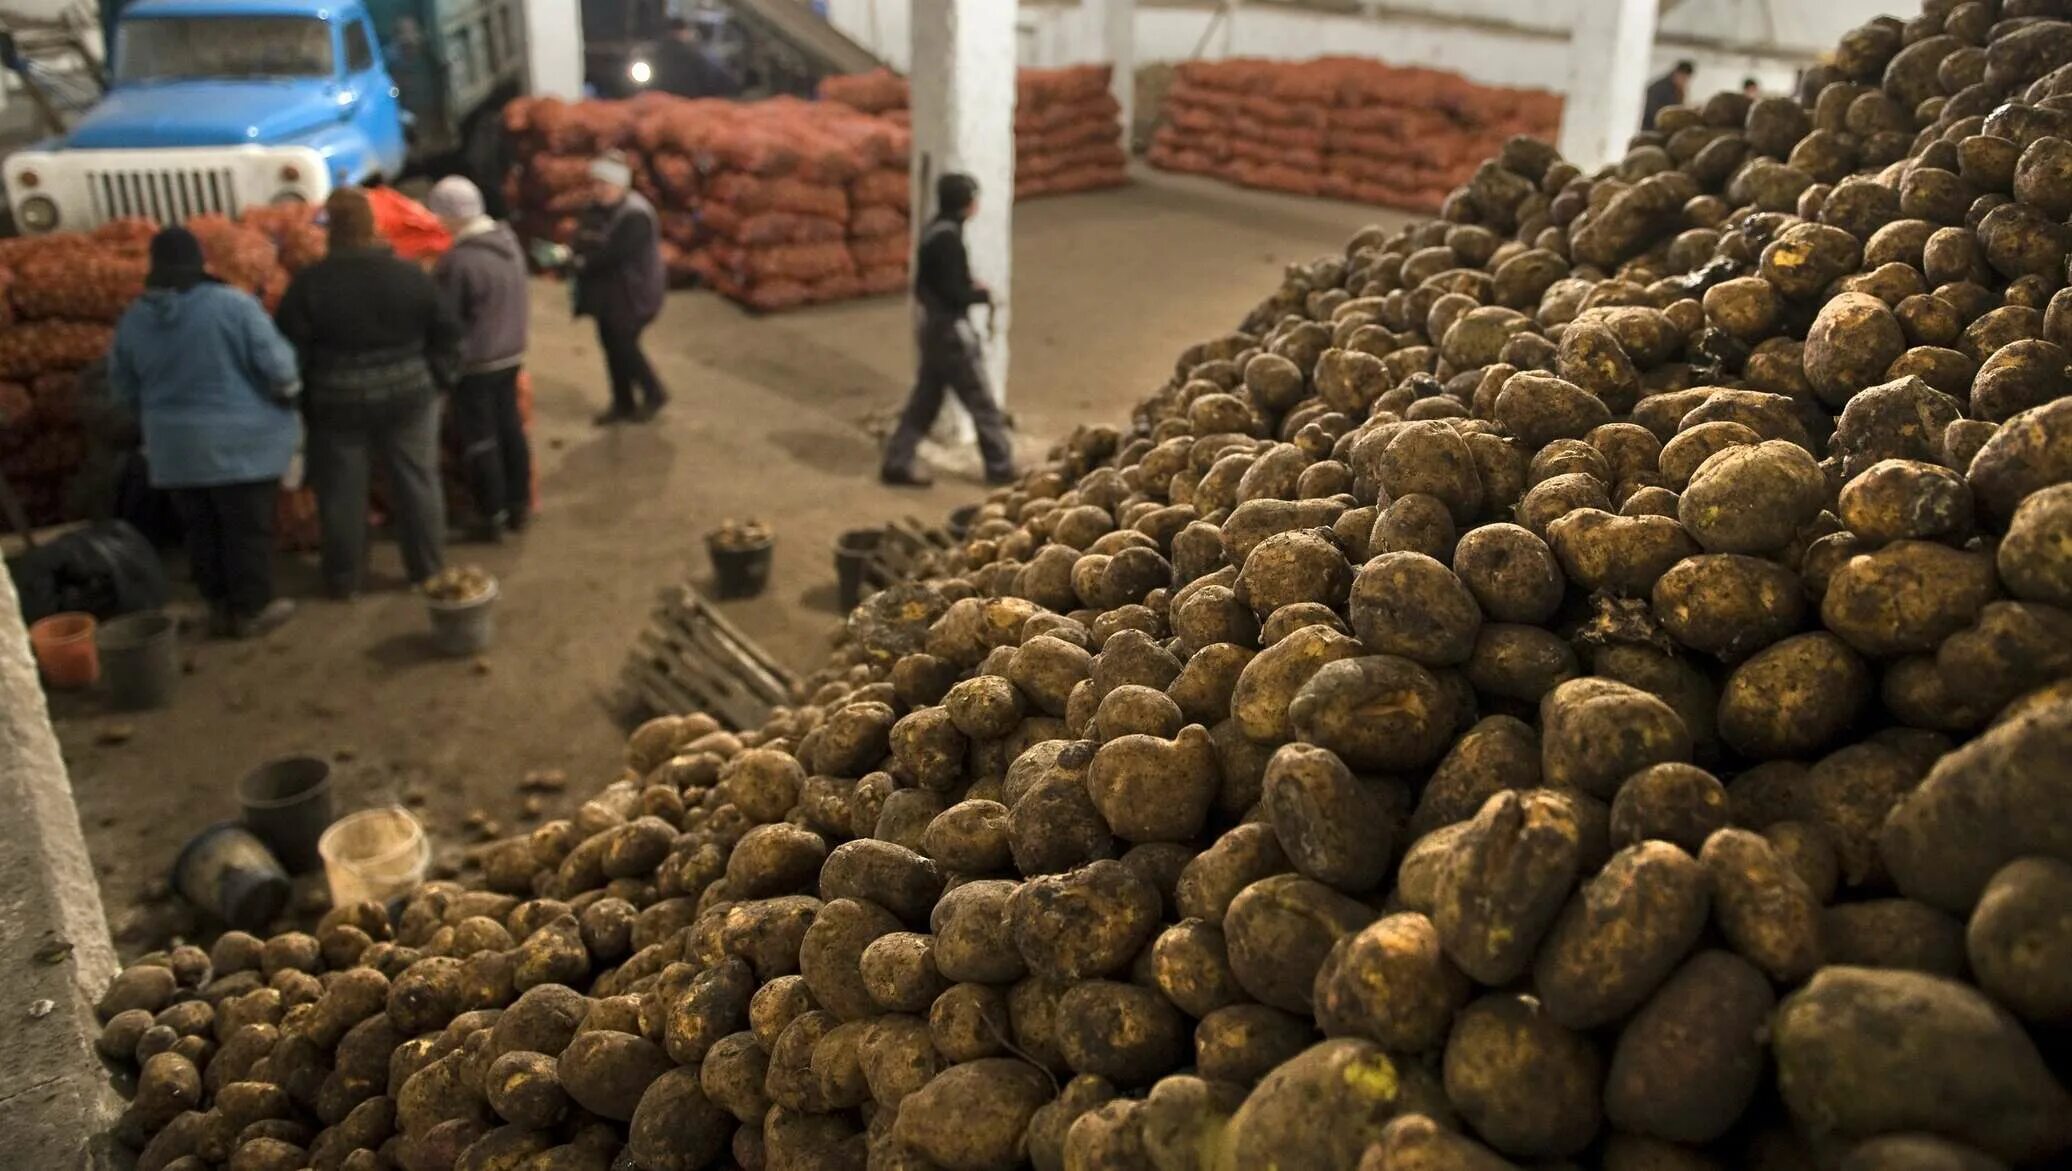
x: 954, y: 193
x: 176, y: 260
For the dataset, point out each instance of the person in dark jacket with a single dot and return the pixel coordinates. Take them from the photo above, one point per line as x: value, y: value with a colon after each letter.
x: 684, y: 68
x: 1666, y: 91
x: 951, y: 357
x: 377, y: 345
x: 214, y: 385
x: 619, y: 282
x: 483, y: 279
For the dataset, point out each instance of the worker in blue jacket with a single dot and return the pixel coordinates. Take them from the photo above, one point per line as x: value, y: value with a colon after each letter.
x: 213, y: 384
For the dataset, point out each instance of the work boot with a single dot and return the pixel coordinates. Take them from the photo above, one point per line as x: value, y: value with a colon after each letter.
x: 905, y: 478
x: 489, y: 530
x: 651, y: 408
x: 272, y: 617
x: 518, y: 519
x: 1001, y: 478
x: 614, y: 416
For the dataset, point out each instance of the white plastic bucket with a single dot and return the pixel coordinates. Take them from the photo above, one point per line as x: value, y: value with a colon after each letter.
x: 374, y: 855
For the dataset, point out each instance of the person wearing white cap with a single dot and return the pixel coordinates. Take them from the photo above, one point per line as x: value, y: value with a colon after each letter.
x: 483, y: 279
x: 619, y: 282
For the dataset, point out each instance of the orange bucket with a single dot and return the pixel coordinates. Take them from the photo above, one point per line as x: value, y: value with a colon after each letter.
x: 64, y: 645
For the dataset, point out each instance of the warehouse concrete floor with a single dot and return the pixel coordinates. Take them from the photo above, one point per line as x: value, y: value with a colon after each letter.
x: 772, y: 419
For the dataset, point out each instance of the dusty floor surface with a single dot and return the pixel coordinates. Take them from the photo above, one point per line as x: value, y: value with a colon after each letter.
x: 770, y: 420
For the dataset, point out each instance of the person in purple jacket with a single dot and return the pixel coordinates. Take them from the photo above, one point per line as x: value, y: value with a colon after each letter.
x: 484, y: 282
x: 619, y: 282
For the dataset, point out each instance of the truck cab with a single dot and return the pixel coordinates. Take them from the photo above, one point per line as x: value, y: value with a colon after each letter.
x: 214, y: 106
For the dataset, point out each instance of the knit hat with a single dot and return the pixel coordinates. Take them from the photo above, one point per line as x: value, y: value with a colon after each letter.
x: 455, y: 198
x: 176, y: 260
x: 610, y: 167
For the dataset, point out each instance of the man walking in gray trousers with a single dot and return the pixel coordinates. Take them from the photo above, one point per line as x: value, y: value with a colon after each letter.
x: 951, y: 356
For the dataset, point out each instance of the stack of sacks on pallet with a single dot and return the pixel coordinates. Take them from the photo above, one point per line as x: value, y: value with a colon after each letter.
x: 1067, y: 125
x: 1341, y: 127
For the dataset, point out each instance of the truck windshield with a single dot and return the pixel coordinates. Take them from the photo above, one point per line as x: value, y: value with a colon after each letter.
x: 176, y: 48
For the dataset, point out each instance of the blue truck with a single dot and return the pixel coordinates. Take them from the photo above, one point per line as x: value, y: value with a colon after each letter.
x: 214, y: 106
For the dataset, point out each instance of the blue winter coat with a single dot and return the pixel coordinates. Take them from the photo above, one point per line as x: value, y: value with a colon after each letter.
x: 213, y: 384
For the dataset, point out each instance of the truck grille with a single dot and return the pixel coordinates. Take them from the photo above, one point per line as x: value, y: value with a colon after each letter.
x: 168, y: 196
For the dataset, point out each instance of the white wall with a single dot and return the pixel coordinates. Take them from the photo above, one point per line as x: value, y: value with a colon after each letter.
x: 1787, y: 35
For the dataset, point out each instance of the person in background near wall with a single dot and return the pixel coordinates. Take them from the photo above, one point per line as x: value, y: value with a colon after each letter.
x: 683, y: 66
x: 951, y: 356
x: 1751, y: 89
x: 213, y: 384
x: 619, y: 282
x: 483, y: 279
x: 377, y: 346
x: 1667, y: 90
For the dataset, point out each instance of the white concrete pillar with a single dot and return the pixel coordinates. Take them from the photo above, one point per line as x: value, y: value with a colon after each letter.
x: 1118, y: 31
x: 963, y: 115
x: 1608, y: 54
x: 554, y: 49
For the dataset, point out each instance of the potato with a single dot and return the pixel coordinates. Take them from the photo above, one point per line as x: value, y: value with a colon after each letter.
x: 1510, y: 872
x: 973, y: 933
x: 1279, y: 930
x: 1728, y: 605
x: 2030, y: 452
x: 1596, y: 732
x: 1268, y: 683
x: 1242, y: 1043
x: 1324, y: 1107
x: 1619, y: 936
x: 1241, y: 856
x: 1090, y: 922
x: 1806, y: 258
x: 973, y: 1117
x: 1851, y: 345
x: 1123, y: 1032
x: 1378, y: 712
x: 1908, y: 596
x: 888, y: 875
x: 141, y: 986
x: 606, y: 1073
x: 1764, y: 909
x: 1838, y: 1040
x: 1149, y: 789
x: 1689, y: 1062
x: 1674, y: 802
x: 1893, y: 933
x: 1203, y: 690
x: 2018, y: 937
x: 1752, y: 499
x: 1511, y: 573
x: 1903, y: 500
x: 1526, y: 1085
x: 525, y: 1089
x: 542, y: 1020
x: 2034, y: 560
x: 1416, y: 523
x: 1916, y: 1152
x: 1617, y: 554
x: 1793, y: 698
x: 1391, y: 984
x: 1428, y: 457
x: 552, y: 955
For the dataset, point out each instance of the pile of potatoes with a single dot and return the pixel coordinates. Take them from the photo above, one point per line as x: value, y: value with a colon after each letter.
x: 1583, y: 682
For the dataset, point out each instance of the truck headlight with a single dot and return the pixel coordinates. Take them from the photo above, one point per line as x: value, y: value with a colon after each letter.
x: 641, y: 72
x: 38, y: 213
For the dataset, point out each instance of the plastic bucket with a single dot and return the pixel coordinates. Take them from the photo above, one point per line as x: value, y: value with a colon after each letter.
x: 465, y: 627
x: 961, y: 521
x: 741, y: 573
x: 287, y: 802
x: 374, y: 855
x: 140, y: 659
x: 228, y: 872
x: 853, y: 551
x: 64, y: 645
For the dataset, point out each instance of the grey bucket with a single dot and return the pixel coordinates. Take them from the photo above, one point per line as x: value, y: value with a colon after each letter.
x: 465, y: 627
x: 287, y: 802
x: 853, y: 551
x: 228, y: 872
x: 140, y: 658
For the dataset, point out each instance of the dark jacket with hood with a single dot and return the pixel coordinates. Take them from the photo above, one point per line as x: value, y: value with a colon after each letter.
x: 619, y: 277
x: 372, y: 332
x: 212, y: 382
x: 942, y: 272
x: 484, y: 281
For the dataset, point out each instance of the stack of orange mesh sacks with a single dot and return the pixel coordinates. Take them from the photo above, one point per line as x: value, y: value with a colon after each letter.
x: 754, y: 198
x: 60, y: 297
x: 1067, y: 125
x: 1341, y: 127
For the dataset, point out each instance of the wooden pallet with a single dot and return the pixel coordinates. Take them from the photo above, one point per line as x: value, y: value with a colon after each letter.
x: 691, y: 659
